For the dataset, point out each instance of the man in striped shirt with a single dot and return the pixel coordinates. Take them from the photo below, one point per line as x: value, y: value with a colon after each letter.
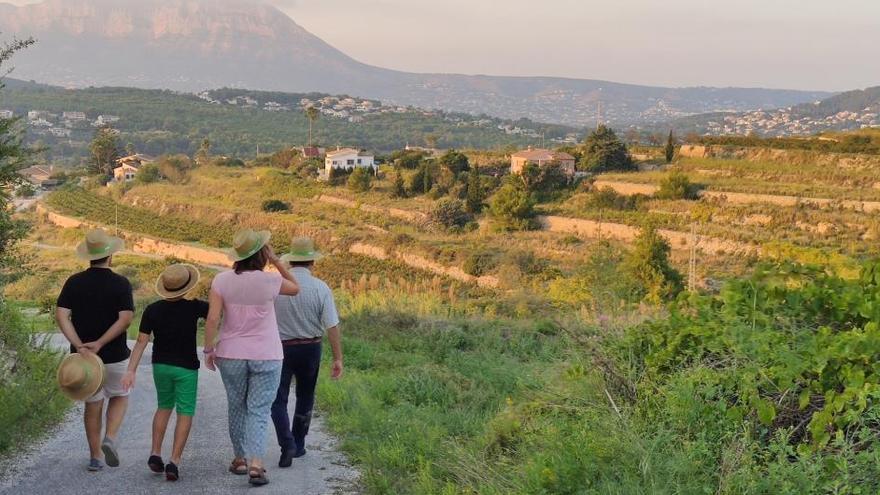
x: 303, y: 320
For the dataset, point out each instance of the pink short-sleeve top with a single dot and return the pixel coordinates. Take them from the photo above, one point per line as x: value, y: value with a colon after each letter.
x: 249, y: 329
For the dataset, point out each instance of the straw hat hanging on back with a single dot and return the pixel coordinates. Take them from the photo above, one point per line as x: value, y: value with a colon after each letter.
x: 177, y: 280
x: 80, y: 376
x: 247, y: 242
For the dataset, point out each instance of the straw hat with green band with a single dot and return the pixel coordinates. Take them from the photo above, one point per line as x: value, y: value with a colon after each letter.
x: 247, y: 243
x: 98, y: 245
x: 302, y: 249
x: 80, y: 376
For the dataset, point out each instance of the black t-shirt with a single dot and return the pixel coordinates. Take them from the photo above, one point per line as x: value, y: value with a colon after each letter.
x: 174, y: 325
x: 95, y: 297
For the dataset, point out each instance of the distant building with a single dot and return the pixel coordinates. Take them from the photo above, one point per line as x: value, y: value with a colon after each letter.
x: 59, y: 132
x: 348, y: 159
x: 541, y: 157
x: 37, y: 115
x: 128, y: 167
x: 6, y: 114
x: 430, y: 153
x: 106, y: 120
x: 40, y: 176
x: 312, y: 151
x: 74, y: 116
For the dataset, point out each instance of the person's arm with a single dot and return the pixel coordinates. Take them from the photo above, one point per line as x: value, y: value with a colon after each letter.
x: 118, y: 328
x: 62, y: 317
x: 136, y: 354
x: 335, y: 337
x: 289, y: 286
x: 212, y: 326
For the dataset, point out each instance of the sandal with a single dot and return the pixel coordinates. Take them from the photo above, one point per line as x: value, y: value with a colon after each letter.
x: 239, y: 467
x: 257, y: 476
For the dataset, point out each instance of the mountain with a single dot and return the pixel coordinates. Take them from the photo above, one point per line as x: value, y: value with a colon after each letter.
x: 192, y: 45
x: 851, y: 110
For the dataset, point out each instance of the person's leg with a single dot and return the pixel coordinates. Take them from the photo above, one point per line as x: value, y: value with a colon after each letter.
x: 165, y: 403
x: 116, y: 408
x: 187, y: 386
x: 234, y: 375
x: 280, y: 418
x: 263, y: 381
x: 92, y: 418
x: 308, y: 368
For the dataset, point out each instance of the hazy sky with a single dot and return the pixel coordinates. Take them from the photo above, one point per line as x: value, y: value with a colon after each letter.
x: 802, y: 44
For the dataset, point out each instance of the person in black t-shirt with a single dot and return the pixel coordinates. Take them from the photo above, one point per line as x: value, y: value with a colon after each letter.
x: 95, y: 308
x: 173, y: 324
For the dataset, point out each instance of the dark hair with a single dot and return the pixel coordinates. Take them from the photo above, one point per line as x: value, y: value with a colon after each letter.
x: 255, y: 263
x: 302, y: 264
x: 99, y: 262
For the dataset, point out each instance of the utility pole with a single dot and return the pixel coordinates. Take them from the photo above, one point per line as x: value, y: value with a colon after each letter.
x: 598, y: 114
x: 692, y: 265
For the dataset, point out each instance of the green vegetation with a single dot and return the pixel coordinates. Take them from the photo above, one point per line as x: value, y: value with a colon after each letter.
x: 669, y: 151
x: 867, y: 142
x: 648, y: 264
x: 604, y: 151
x: 512, y: 207
x: 360, y: 180
x: 676, y: 185
x: 104, y: 150
x: 275, y: 206
x: 450, y: 214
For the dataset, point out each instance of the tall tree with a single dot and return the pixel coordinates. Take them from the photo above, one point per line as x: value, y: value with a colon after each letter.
x: 475, y: 193
x: 203, y: 155
x: 312, y: 114
x: 13, y: 157
x: 670, y: 147
x: 455, y: 161
x: 604, y: 151
x: 104, y: 149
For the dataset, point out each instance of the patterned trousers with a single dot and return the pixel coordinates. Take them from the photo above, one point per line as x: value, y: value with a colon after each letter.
x: 251, y: 387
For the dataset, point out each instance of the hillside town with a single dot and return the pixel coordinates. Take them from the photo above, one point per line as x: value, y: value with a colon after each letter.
x: 46, y: 123
x: 786, y: 122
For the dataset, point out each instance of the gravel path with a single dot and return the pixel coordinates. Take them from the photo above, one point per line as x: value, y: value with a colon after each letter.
x: 58, y: 464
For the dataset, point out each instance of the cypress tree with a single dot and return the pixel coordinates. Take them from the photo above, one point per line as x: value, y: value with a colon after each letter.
x: 670, y: 147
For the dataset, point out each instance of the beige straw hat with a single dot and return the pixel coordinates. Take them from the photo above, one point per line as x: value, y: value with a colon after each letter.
x: 80, y: 376
x: 247, y: 242
x: 97, y: 245
x: 302, y: 249
x: 177, y: 280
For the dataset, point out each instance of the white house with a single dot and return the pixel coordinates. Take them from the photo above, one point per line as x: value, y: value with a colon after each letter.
x: 348, y: 159
x: 6, y: 114
x: 128, y: 167
x: 74, y: 116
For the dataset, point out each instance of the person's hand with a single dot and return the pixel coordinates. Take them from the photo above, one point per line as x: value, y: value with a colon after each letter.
x: 209, y: 361
x: 270, y: 253
x: 89, y: 348
x: 128, y: 380
x: 336, y: 372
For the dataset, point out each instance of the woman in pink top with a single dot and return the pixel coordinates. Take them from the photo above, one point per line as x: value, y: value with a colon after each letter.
x: 248, y: 350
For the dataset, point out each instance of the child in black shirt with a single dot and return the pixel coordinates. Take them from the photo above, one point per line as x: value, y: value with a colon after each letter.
x: 173, y: 323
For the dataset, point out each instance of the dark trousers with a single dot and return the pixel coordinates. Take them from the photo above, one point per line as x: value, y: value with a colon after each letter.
x: 302, y: 363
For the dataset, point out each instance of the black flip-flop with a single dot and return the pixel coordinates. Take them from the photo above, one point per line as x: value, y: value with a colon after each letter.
x: 171, y: 472
x: 157, y: 465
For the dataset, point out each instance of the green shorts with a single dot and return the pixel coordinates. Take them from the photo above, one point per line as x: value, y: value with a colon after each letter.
x: 176, y: 386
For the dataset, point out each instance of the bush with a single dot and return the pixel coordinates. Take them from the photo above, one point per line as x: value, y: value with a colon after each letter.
x: 512, y: 207
x: 360, y: 180
x: 609, y: 199
x: 449, y: 213
x: 648, y: 263
x: 480, y: 263
x: 422, y: 181
x: 148, y: 174
x: 676, y: 185
x: 604, y: 152
x: 25, y: 190
x: 275, y: 205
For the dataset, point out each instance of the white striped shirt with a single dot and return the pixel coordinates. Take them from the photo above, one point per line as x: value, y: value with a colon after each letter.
x: 308, y: 314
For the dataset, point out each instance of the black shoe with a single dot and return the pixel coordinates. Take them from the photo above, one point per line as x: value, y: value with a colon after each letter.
x: 156, y: 464
x: 171, y: 473
x: 299, y: 451
x: 286, y: 459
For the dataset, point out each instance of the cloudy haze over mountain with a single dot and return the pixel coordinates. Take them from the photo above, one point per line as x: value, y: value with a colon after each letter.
x: 198, y: 44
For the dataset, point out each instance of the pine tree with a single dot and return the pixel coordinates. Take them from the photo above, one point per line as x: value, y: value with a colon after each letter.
x: 475, y: 194
x: 399, y: 190
x: 670, y: 147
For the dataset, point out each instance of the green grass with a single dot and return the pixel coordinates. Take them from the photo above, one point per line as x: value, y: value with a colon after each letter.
x: 29, y: 397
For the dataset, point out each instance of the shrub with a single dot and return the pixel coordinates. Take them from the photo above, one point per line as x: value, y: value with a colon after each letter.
x: 148, y: 174
x: 609, y: 199
x: 422, y: 181
x: 275, y: 205
x: 25, y: 190
x: 676, y: 185
x: 512, y: 207
x: 360, y: 180
x: 479, y: 263
x: 449, y: 213
x: 454, y: 161
x: 604, y: 152
x: 648, y: 263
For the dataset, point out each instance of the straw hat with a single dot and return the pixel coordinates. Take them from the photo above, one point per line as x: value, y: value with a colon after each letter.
x: 247, y: 242
x: 301, y: 249
x: 98, y: 245
x: 80, y: 376
x: 177, y: 280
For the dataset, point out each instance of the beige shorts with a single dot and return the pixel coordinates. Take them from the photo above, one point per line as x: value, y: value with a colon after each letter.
x: 113, y: 374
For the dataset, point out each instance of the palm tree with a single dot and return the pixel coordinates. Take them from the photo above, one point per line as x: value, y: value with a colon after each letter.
x: 312, y: 114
